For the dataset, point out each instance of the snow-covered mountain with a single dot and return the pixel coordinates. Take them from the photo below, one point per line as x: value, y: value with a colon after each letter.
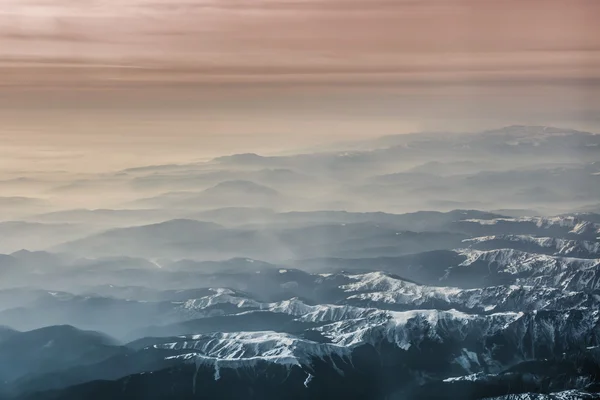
x: 296, y: 277
x: 565, y: 395
x: 567, y: 226
x: 545, y: 245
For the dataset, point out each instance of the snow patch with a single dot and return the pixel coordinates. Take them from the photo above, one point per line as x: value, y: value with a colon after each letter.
x: 309, y: 378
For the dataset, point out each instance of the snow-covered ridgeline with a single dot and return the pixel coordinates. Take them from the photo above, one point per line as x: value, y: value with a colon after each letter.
x: 533, y: 269
x: 381, y: 290
x: 404, y: 330
x: 572, y: 224
x: 249, y: 349
x: 562, y: 247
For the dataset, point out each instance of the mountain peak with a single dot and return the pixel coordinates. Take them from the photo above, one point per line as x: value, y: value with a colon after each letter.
x: 243, y: 187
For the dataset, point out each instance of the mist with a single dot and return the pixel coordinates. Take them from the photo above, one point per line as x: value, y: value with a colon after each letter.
x: 158, y: 264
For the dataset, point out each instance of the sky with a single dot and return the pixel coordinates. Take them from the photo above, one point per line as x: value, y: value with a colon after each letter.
x: 100, y: 84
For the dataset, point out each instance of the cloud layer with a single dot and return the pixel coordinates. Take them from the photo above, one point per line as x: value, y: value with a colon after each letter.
x: 457, y: 38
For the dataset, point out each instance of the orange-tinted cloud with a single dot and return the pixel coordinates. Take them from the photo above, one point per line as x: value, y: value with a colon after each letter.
x: 444, y: 39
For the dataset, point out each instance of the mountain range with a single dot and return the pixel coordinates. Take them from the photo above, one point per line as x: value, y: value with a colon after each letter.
x: 425, y: 266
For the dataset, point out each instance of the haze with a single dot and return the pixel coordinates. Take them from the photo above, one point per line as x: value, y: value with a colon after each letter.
x: 299, y: 199
x: 108, y: 84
